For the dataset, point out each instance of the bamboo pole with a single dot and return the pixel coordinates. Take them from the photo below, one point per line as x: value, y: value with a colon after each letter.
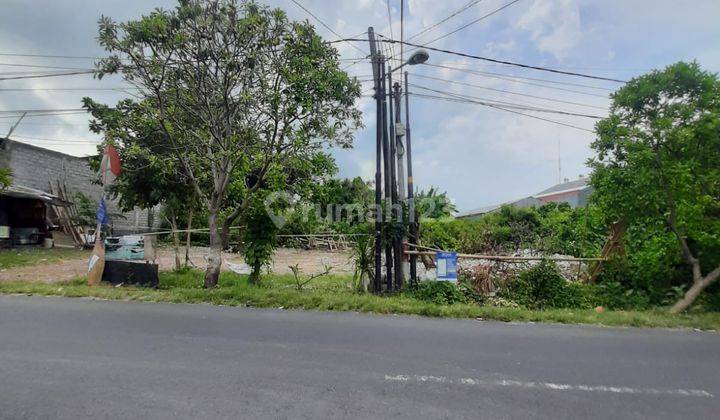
x: 508, y: 258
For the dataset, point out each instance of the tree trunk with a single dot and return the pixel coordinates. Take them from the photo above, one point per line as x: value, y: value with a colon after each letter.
x: 176, y: 241
x: 214, y: 260
x: 698, y: 286
x: 187, y: 238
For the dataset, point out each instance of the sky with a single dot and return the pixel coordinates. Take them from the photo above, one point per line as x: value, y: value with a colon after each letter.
x: 481, y: 156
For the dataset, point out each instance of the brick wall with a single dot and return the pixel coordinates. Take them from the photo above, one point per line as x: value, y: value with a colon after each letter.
x: 35, y: 167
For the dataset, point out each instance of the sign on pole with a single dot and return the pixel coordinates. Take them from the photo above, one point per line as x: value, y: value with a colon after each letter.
x: 446, y: 266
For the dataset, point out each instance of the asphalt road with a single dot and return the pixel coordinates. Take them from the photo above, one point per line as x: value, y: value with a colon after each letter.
x: 76, y: 358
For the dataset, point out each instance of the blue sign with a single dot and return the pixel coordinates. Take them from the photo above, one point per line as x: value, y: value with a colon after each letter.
x: 446, y: 266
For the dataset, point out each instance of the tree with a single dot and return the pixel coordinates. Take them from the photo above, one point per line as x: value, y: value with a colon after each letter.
x: 238, y: 91
x: 150, y: 175
x: 657, y: 161
x: 434, y: 204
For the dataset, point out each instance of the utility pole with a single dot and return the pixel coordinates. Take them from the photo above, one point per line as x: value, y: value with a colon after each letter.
x: 410, y: 186
x: 378, y: 161
x: 389, y: 177
x: 396, y: 208
x: 402, y: 263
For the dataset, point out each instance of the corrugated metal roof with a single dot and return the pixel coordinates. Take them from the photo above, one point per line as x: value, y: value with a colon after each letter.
x: 19, y: 191
x: 565, y: 186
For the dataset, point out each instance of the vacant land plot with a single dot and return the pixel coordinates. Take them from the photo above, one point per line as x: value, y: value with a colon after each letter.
x: 61, y: 265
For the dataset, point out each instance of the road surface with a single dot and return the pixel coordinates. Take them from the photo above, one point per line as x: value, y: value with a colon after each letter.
x: 77, y: 358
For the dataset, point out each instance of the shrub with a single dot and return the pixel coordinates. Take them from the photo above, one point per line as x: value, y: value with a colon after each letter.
x: 442, y: 234
x: 542, y: 286
x: 440, y: 292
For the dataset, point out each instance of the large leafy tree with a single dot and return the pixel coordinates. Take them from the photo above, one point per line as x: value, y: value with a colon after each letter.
x: 657, y: 164
x: 238, y: 91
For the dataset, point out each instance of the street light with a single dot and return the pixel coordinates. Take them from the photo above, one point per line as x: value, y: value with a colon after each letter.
x: 418, y: 57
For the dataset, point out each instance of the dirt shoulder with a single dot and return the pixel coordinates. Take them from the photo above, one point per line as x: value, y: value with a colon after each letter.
x: 309, y: 261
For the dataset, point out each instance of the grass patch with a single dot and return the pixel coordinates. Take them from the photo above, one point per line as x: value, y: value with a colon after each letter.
x: 335, y: 293
x: 32, y: 256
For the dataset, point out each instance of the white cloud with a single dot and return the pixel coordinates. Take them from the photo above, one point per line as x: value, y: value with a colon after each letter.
x: 554, y: 26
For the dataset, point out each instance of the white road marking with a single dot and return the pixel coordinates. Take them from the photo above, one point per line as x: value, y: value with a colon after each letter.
x: 548, y: 385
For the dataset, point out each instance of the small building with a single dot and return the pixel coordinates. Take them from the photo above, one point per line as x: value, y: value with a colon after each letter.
x: 575, y: 193
x: 26, y: 206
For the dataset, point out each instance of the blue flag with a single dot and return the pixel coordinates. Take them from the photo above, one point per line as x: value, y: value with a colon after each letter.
x: 102, y: 217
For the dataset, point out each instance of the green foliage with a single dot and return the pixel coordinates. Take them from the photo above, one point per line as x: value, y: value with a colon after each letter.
x: 433, y: 204
x: 300, y: 283
x: 86, y: 209
x: 258, y: 239
x: 439, y: 292
x: 5, y: 178
x: 657, y: 167
x: 441, y: 234
x: 363, y: 259
x: 335, y: 293
x: 550, y: 228
x: 240, y: 118
x: 541, y: 286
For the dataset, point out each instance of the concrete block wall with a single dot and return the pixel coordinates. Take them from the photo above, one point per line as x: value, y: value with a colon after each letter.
x: 36, y: 167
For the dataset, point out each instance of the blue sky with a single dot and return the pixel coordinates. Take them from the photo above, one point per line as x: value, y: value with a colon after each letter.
x: 481, y: 156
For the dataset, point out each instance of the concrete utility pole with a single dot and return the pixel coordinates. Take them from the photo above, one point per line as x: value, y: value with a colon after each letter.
x: 378, y: 162
x: 399, y: 146
x: 403, y: 266
x: 410, y: 186
x: 390, y: 169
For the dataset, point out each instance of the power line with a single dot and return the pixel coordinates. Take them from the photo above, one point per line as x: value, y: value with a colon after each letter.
x: 545, y: 98
x: 22, y: 111
x: 326, y: 26
x: 457, y: 12
x: 42, y: 67
x: 48, y: 75
x: 509, y: 104
x: 473, y: 22
x: 503, y: 109
x: 62, y: 141
x: 51, y: 56
x: 66, y: 89
x: 519, y: 79
x: 493, y: 60
x: 48, y: 114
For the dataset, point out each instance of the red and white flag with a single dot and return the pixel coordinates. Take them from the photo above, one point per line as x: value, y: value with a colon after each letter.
x: 110, y: 165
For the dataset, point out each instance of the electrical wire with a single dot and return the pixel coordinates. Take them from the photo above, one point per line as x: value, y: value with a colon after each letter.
x: 509, y: 104
x: 518, y: 79
x: 327, y: 27
x: 503, y: 109
x: 62, y: 141
x: 392, y: 55
x: 471, y: 23
x: 82, y: 89
x: 545, y: 98
x: 48, y: 75
x: 493, y: 60
x: 452, y: 15
x: 51, y: 56
x: 42, y: 67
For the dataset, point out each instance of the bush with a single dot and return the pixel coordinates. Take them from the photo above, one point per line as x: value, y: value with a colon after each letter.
x: 440, y: 292
x: 542, y: 286
x: 442, y: 234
